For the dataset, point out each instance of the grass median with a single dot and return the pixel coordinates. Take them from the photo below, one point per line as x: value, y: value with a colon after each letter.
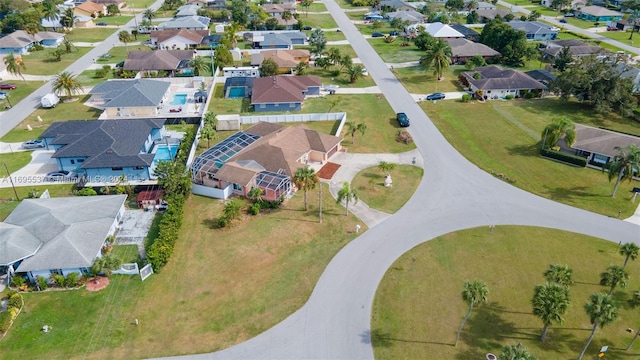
x: 370, y: 186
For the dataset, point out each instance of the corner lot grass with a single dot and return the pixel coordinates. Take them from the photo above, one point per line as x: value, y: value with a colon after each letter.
x: 342, y: 79
x: 75, y: 110
x: 621, y: 36
x: 370, y: 186
x: 315, y: 7
x: 14, y: 161
x: 394, y: 53
x: 418, y: 308
x: 89, y: 78
x: 222, y: 286
x: 322, y: 21
x: 41, y: 62
x: 418, y: 80
x: 120, y: 53
x: 23, y: 89
x: 115, y: 20
x: 90, y: 35
x: 504, y: 137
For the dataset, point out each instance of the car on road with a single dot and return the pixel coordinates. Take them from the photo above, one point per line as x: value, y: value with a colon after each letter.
x: 435, y: 96
x: 7, y: 87
x: 33, y: 144
x: 307, y: 28
x: 377, y: 34
x: 403, y: 119
x: 102, y: 23
x: 564, y: 21
x: 60, y: 175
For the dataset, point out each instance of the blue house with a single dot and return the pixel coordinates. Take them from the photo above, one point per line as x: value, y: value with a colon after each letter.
x: 535, y: 30
x: 283, y: 93
x: 104, y: 150
x: 279, y: 40
x: 598, y: 14
x: 20, y: 42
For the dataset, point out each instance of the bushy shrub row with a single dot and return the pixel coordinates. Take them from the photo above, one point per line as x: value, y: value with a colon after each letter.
x: 567, y: 158
x: 14, y: 304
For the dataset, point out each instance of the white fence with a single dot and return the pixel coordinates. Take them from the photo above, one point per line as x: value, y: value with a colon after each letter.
x: 341, y: 116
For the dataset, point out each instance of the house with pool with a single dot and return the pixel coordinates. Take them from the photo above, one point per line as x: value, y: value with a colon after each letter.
x: 103, y: 151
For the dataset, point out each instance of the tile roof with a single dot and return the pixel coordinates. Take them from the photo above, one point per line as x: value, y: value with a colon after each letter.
x: 465, y: 48
x: 496, y: 78
x: 602, y: 141
x: 598, y: 11
x: 282, y: 89
x: 128, y: 93
x: 91, y: 7
x: 105, y: 143
x: 284, y: 58
x: 194, y: 35
x: 58, y: 233
x: 157, y: 59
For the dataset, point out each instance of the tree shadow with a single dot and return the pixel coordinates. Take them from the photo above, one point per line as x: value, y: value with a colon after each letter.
x: 394, y: 123
x: 379, y: 338
x: 211, y: 223
x: 487, y: 328
x: 559, y: 194
x: 529, y: 150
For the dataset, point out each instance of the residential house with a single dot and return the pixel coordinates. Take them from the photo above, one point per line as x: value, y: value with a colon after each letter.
x: 119, y: 3
x: 238, y: 87
x: 576, y: 47
x: 482, y: 5
x: 485, y: 16
x: 598, y: 145
x: 468, y: 33
x: 104, y: 150
x: 91, y: 9
x: 171, y: 61
x: 575, y: 4
x: 437, y: 29
x: 187, y: 10
x: 276, y: 10
x: 84, y: 22
x: 462, y: 50
x: 597, y: 14
x: 177, y: 38
x: 58, y: 236
x: 187, y: 23
x: 278, y: 40
x: 287, y: 60
x: 53, y: 24
x: 283, y: 93
x: 543, y: 76
x: 629, y: 72
x: 241, y: 71
x: 137, y: 97
x: 494, y: 82
x: 289, y: 24
x: 535, y: 31
x: 399, y: 5
x: 264, y: 156
x: 20, y: 42
x: 623, y: 25
x: 373, y: 16
x: 412, y: 16
x: 212, y: 4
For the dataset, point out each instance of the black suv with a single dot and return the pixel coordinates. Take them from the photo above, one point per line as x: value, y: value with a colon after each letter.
x: 403, y: 120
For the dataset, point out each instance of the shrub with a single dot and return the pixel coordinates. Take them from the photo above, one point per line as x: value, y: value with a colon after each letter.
x: 404, y: 137
x: 567, y: 158
x: 223, y: 221
x: 17, y: 281
x: 466, y: 98
x: 72, y: 279
x: 5, y: 321
x: 37, y: 47
x: 509, y: 97
x: 9, y: 293
x: 389, y: 39
x: 15, y: 301
x: 254, y: 209
x: 59, y: 279
x: 42, y: 283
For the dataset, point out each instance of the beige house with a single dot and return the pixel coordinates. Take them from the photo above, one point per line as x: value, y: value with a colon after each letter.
x: 287, y: 60
x: 90, y: 9
x: 130, y: 98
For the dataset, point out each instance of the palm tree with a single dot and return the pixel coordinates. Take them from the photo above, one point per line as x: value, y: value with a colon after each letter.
x: 305, y: 4
x: 50, y: 11
x: 386, y: 167
x: 474, y: 293
x: 634, y: 18
x: 550, y: 301
x: 559, y: 274
x: 559, y: 127
x: 301, y: 68
x: 471, y: 5
x: 149, y: 14
x: 286, y: 16
x: 353, y: 128
x: 439, y: 56
x: 68, y: 18
x: 635, y: 302
x: 347, y: 194
x: 230, y: 33
x: 354, y: 71
x: 125, y: 37
x: 305, y: 179
x: 208, y: 133
x: 199, y: 65
x: 105, y: 264
x: 614, y: 276
x: 515, y: 352
x: 15, y: 65
x: 624, y: 165
x: 629, y: 251
x: 32, y: 29
x: 602, y: 311
x: 68, y: 46
x: 65, y: 82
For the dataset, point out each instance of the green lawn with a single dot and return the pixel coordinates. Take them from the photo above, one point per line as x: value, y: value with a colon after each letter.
x: 8, y: 198
x: 315, y: 7
x: 23, y: 89
x: 342, y: 79
x: 504, y: 136
x: 621, y: 36
x: 368, y: 29
x: 371, y: 190
x: 126, y: 253
x: 263, y: 269
x: 418, y: 308
x: 545, y: 11
x: 41, y: 62
x: 120, y: 53
x: 89, y: 78
x: 116, y: 20
x: 356, y: 15
x: 418, y: 80
x: 394, y: 53
x: 322, y: 21
x: 140, y: 4
x: 584, y: 24
x: 330, y: 35
x: 220, y: 105
x: 14, y: 161
x: 75, y: 110
x: 91, y: 35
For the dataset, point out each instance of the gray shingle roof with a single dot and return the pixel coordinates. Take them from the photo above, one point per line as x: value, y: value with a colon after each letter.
x: 105, y: 143
x: 157, y: 59
x: 496, y: 78
x: 131, y: 93
x: 186, y: 22
x: 602, y: 141
x: 464, y: 48
x: 59, y: 232
x: 531, y: 27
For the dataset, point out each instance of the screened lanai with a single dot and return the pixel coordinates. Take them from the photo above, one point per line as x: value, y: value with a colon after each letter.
x: 206, y: 165
x: 274, y: 185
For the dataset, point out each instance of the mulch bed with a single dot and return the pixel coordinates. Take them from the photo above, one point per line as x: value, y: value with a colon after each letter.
x: 327, y: 171
x: 97, y: 284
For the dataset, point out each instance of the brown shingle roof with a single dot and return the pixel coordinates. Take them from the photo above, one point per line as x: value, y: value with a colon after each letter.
x: 601, y: 141
x: 156, y: 60
x: 284, y: 58
x: 233, y: 172
x: 91, y: 7
x: 194, y: 35
x: 282, y: 89
x: 463, y: 47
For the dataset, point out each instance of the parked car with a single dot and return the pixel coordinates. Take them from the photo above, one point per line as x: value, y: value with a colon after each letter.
x: 7, y: 87
x: 612, y: 28
x: 61, y: 175
x: 435, y: 96
x: 569, y: 14
x: 102, y: 23
x: 33, y: 144
x: 307, y: 28
x: 163, y: 206
x: 564, y: 21
x: 3, y: 95
x: 377, y: 34
x: 394, y: 33
x: 403, y: 119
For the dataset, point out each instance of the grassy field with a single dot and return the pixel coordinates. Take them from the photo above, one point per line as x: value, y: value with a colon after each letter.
x: 315, y: 7
x: 14, y: 161
x: 341, y: 79
x: 220, y: 105
x: 126, y: 253
x: 119, y: 53
x: 23, y: 89
x: 417, y: 80
x: 239, y: 282
x: 368, y: 29
x: 356, y: 15
x: 75, y: 110
x: 621, y: 36
x: 511, y: 130
x: 90, y: 35
x: 89, y: 78
x: 394, y: 53
x: 41, y: 62
x: 330, y: 35
x: 410, y: 319
x: 322, y: 21
x: 116, y: 20
x: 370, y: 186
x: 7, y: 196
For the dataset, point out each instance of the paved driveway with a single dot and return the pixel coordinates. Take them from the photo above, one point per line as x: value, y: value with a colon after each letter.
x: 134, y: 227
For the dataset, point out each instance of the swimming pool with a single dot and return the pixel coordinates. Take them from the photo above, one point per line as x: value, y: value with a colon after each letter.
x: 179, y: 99
x: 162, y: 153
x: 236, y: 92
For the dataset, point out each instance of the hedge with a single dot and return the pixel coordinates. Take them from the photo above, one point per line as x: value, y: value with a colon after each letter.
x: 567, y: 158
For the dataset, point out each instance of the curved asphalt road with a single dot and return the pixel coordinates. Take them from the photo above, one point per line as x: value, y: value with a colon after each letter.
x: 453, y: 195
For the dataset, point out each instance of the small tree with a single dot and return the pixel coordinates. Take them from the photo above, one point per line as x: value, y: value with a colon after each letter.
x: 305, y: 179
x: 559, y: 274
x: 602, y: 311
x: 558, y: 128
x: 301, y: 68
x: 473, y: 293
x: 623, y: 165
x: 208, y: 133
x: 269, y: 67
x: 354, y: 71
x: 550, y: 301
x: 318, y: 41
x: 347, y: 194
x: 386, y: 167
x: 614, y: 276
x: 629, y: 251
x: 125, y: 37
x: 232, y: 209
x: 353, y: 128
x: 515, y: 352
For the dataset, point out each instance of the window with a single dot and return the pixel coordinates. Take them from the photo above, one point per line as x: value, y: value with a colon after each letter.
x: 80, y: 160
x: 263, y: 106
x: 600, y: 159
x: 138, y: 168
x: 73, y: 162
x: 116, y: 168
x: 292, y: 105
x: 237, y: 187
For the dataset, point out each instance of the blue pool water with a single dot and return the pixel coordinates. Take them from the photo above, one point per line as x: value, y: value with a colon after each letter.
x: 162, y: 153
x: 179, y: 99
x: 236, y: 92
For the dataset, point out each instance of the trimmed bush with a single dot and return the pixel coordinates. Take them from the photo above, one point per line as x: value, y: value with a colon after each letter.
x: 466, y: 98
x: 86, y: 192
x: 72, y: 279
x: 223, y: 221
x: 15, y: 301
x: 17, y: 281
x: 42, y: 283
x: 59, y: 279
x: 509, y: 97
x: 567, y: 158
x: 254, y: 209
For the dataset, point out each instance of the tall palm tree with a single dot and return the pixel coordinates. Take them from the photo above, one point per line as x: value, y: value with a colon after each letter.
x: 65, y: 83
x: 635, y: 302
x: 230, y: 34
x: 68, y: 18
x: 624, y: 165
x: 125, y: 37
x: 32, y: 29
x: 208, y: 133
x: 559, y: 127
x: 199, y: 65
x: 614, y: 276
x: 473, y: 293
x: 149, y: 14
x: 439, y: 56
x: 305, y: 179
x: 634, y: 19
x: 602, y: 311
x: 629, y: 251
x: 515, y: 352
x: 15, y: 65
x: 50, y: 11
x: 353, y: 128
x: 286, y: 16
x: 354, y: 71
x: 347, y: 194
x: 559, y: 274
x: 550, y: 301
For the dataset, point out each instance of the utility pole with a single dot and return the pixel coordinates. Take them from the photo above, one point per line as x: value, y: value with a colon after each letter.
x: 11, y: 179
